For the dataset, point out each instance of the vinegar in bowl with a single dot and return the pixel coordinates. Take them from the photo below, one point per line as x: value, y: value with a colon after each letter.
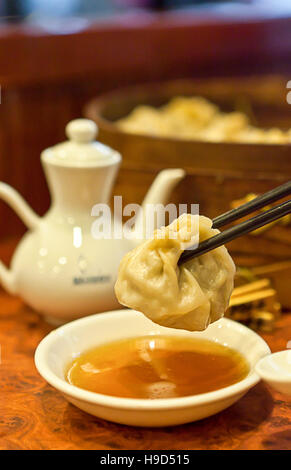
x: 158, y: 366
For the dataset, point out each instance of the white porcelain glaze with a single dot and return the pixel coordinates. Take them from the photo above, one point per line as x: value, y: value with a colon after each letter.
x: 58, y: 268
x: 61, y: 346
x: 275, y: 369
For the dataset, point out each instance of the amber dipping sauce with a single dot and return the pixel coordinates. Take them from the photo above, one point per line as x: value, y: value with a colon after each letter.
x: 157, y: 367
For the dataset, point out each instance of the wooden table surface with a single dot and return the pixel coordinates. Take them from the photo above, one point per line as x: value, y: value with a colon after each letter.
x: 35, y: 416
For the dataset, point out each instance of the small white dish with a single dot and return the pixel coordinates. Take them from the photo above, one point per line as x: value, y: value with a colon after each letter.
x: 64, y: 344
x: 275, y: 369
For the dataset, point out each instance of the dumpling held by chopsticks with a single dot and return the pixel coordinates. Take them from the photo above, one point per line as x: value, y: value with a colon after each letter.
x: 190, y: 296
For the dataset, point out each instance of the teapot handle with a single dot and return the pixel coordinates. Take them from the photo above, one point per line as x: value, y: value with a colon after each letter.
x: 27, y: 215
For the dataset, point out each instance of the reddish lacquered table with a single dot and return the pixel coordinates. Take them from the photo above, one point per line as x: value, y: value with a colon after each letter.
x: 35, y: 416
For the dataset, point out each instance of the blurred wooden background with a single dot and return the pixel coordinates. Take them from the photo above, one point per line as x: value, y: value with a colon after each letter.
x: 47, y: 77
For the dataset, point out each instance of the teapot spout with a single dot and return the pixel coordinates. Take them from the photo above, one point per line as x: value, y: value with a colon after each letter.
x: 158, y: 194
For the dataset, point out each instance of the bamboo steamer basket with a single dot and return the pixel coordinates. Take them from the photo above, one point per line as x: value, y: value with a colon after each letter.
x: 217, y: 173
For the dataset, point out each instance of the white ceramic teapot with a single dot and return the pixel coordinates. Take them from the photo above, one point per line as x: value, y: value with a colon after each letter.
x: 58, y: 268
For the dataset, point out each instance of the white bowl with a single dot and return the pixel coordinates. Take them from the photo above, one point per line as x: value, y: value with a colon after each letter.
x: 275, y: 369
x: 62, y: 345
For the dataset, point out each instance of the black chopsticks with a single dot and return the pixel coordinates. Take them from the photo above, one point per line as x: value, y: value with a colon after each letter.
x: 244, y: 227
x: 260, y: 201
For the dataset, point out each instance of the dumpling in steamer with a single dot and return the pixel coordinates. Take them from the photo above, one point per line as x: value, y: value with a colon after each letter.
x: 190, y: 296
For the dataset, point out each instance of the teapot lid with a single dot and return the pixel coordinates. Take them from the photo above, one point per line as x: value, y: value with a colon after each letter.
x: 81, y: 149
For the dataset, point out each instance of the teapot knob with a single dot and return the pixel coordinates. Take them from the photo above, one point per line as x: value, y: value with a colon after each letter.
x: 82, y: 130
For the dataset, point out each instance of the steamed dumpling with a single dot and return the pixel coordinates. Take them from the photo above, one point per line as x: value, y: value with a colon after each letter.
x: 190, y: 296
